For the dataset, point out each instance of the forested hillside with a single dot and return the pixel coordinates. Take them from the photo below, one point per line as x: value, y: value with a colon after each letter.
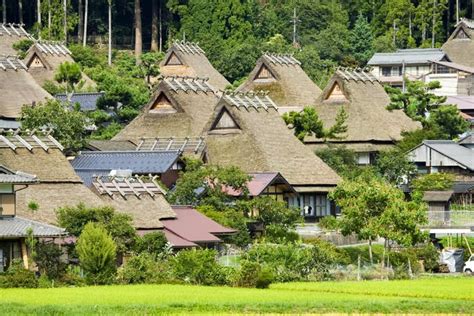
x: 322, y: 33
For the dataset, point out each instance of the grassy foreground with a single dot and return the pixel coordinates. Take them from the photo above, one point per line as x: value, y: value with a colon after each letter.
x: 435, y: 295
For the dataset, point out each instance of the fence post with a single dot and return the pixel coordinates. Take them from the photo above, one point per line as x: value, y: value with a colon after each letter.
x: 358, y: 268
x: 410, y: 272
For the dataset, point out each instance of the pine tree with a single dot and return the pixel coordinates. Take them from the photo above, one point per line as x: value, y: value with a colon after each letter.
x: 361, y: 40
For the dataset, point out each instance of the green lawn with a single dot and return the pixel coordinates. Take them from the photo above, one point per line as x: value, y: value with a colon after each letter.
x: 436, y: 295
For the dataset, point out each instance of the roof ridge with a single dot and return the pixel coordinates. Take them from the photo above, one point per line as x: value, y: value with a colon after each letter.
x: 282, y: 59
x: 186, y: 83
x: 188, y: 47
x: 259, y: 99
x: 356, y: 74
x: 11, y: 62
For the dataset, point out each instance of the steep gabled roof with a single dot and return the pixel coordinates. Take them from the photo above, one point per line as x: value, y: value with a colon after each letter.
x: 10, y: 34
x: 43, y: 60
x: 364, y: 100
x: 143, y: 199
x: 175, y: 110
x: 460, y: 44
x: 284, y: 79
x: 17, y: 87
x: 452, y: 150
x: 188, y: 59
x: 261, y: 142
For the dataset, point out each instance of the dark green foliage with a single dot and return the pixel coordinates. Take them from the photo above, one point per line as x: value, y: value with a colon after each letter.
x: 74, y: 219
x: 144, y: 268
x: 18, y: 276
x: 86, y: 56
x: 97, y: 252
x: 48, y: 259
x: 361, y: 40
x: 412, y: 139
x: 70, y: 74
x: 154, y: 244
x: 68, y: 125
x: 22, y: 47
x: 447, y: 120
x: 431, y: 182
x: 339, y: 158
x: 198, y: 266
x: 394, y: 166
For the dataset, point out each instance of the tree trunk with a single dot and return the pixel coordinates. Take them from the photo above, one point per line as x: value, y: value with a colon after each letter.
x: 433, y: 29
x: 38, y: 12
x: 80, y: 26
x: 138, y: 32
x: 154, y: 26
x: 86, y: 22
x: 20, y: 11
x: 49, y: 18
x: 110, y: 33
x: 370, y: 252
x: 65, y: 20
x: 4, y: 11
x: 457, y: 11
x: 161, y: 29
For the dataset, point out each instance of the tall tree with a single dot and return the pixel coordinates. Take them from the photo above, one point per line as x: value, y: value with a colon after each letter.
x: 80, y: 27
x: 154, y: 26
x: 86, y: 22
x: 138, y: 31
x: 20, y: 11
x: 65, y: 20
x: 109, y: 58
x: 4, y: 11
x: 361, y: 40
x: 38, y: 12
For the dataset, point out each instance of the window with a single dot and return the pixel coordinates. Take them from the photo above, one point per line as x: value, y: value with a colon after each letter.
x: 386, y: 71
x: 312, y: 204
x: 7, y: 204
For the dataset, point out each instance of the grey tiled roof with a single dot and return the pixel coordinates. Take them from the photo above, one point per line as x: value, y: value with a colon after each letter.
x: 18, y: 227
x: 100, y: 163
x: 467, y: 140
x: 86, y: 100
x: 9, y: 124
x: 407, y: 56
x: 454, y: 151
x: 17, y: 178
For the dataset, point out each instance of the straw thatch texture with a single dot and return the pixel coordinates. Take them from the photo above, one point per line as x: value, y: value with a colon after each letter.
x: 9, y: 35
x: 50, y: 197
x: 193, y: 63
x: 461, y: 51
x: 365, y: 102
x: 191, y: 111
x: 289, y: 86
x: 18, y: 88
x: 263, y: 143
x: 50, y: 62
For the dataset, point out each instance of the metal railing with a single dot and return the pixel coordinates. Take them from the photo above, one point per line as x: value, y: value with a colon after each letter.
x: 440, y: 219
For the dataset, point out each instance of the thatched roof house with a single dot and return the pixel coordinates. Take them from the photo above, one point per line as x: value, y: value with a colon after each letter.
x: 141, y: 198
x: 284, y: 79
x: 17, y: 87
x: 247, y: 131
x: 460, y: 45
x: 188, y: 59
x: 9, y: 35
x: 180, y: 107
x: 371, y: 127
x: 43, y: 60
x: 41, y: 155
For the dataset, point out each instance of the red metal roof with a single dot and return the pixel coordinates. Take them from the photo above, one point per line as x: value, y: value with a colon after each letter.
x: 192, y: 226
x: 177, y: 241
x: 260, y: 181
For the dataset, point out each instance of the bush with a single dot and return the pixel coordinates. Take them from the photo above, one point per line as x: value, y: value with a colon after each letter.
x: 334, y: 255
x: 252, y: 274
x: 48, y: 259
x: 154, y: 244
x: 143, y: 268
x: 22, y: 47
x: 72, y: 277
x: 18, y: 276
x: 198, y: 266
x: 96, y: 251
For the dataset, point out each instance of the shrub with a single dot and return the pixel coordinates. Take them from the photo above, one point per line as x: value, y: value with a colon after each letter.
x: 252, y: 274
x: 72, y: 277
x: 48, y: 260
x: 198, y: 266
x: 143, y: 268
x: 153, y: 243
x: 18, y: 276
x: 96, y: 251
x: 334, y: 255
x: 22, y: 47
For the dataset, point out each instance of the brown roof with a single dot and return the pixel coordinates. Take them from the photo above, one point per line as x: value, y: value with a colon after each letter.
x: 173, y: 111
x: 261, y: 142
x: 17, y: 87
x: 364, y: 100
x: 188, y: 59
x: 143, y: 199
x: 9, y: 35
x: 286, y: 82
x: 460, y: 50
x: 50, y: 55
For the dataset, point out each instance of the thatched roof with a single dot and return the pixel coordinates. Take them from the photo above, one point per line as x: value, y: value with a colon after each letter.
x: 9, y: 35
x: 188, y: 59
x: 460, y: 45
x: 175, y: 110
x: 284, y: 79
x: 364, y: 100
x: 255, y: 138
x: 43, y: 60
x: 143, y: 199
x: 17, y: 87
x: 186, y: 145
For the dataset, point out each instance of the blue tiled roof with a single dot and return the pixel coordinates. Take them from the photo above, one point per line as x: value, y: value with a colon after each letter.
x: 87, y: 100
x: 91, y: 163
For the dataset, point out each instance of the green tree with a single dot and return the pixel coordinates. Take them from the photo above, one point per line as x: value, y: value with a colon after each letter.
x: 394, y: 166
x: 447, y: 120
x: 154, y: 243
x: 70, y: 74
x: 150, y: 65
x: 431, y: 182
x: 339, y: 158
x: 307, y: 123
x: 361, y: 41
x: 97, y: 250
x: 67, y: 125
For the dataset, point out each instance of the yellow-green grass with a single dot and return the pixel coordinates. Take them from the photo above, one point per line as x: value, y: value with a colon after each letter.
x: 440, y: 295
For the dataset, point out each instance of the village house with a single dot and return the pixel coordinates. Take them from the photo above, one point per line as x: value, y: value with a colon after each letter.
x: 87, y: 101
x: 44, y: 58
x: 371, y: 128
x: 189, y: 60
x: 17, y: 88
x: 247, y: 131
x: 460, y: 44
x: 10, y: 34
x: 285, y: 81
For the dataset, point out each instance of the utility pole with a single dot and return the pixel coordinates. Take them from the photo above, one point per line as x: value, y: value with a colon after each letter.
x: 403, y: 74
x: 65, y: 20
x: 433, y: 30
x: 457, y: 11
x: 295, y: 21
x: 86, y: 21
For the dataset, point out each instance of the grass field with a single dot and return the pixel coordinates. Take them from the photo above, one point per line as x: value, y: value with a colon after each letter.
x: 434, y: 295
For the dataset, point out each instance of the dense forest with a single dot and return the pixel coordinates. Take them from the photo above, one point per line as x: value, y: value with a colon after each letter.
x: 322, y: 33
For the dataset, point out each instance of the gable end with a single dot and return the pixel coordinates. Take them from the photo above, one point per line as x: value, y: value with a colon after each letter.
x: 162, y: 104
x: 173, y: 60
x: 336, y: 94
x: 224, y: 121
